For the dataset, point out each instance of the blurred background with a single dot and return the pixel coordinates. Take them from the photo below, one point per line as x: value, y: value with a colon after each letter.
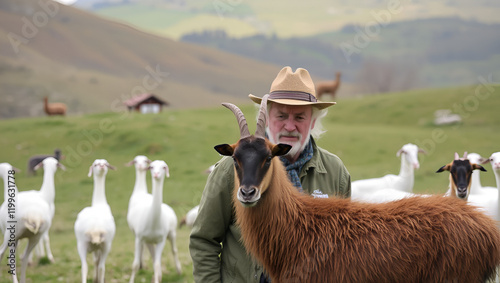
x: 94, y: 52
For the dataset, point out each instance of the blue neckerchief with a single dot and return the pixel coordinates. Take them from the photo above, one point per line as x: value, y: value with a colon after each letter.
x: 294, y: 169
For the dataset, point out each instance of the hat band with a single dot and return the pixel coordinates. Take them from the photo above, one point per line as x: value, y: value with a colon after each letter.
x: 296, y: 95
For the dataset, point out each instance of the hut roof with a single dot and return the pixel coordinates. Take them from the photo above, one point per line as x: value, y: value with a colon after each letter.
x: 143, y: 97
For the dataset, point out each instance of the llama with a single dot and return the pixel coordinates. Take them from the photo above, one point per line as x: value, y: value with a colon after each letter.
x: 328, y: 87
x: 298, y: 238
x: 53, y: 108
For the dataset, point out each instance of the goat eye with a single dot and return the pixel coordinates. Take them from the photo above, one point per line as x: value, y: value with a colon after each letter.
x: 268, y: 159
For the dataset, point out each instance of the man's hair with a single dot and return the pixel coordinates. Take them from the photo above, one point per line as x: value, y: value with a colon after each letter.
x: 318, y: 129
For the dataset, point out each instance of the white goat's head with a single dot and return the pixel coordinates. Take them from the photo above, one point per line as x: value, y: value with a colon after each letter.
x: 411, y: 152
x: 460, y: 175
x: 494, y: 160
x: 100, y: 167
x: 159, y: 169
x: 252, y: 156
x: 141, y: 163
x: 50, y: 163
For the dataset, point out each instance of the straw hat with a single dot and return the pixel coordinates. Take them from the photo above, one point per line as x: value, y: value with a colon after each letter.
x: 293, y: 89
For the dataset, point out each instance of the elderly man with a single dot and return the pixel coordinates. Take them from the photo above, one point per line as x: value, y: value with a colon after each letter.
x: 294, y: 118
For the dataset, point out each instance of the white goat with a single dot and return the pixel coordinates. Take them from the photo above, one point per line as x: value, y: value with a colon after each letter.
x: 390, y: 187
x: 95, y: 225
x: 140, y: 193
x: 485, y: 198
x: 190, y: 217
x: 153, y: 222
x: 48, y: 193
x: 28, y: 217
x: 495, y: 165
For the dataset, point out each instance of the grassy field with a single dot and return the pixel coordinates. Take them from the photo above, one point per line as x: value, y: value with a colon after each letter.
x: 365, y: 132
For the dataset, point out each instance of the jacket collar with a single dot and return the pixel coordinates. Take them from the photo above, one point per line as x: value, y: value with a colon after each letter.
x: 315, y: 162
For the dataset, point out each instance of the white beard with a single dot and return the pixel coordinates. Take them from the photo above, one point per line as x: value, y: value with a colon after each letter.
x: 297, y: 147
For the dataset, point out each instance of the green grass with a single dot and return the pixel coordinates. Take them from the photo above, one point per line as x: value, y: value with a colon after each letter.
x: 365, y: 132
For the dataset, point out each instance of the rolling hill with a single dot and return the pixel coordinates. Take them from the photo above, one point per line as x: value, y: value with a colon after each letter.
x: 93, y: 64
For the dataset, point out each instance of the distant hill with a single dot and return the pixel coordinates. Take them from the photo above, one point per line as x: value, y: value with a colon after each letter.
x: 286, y: 19
x: 93, y: 64
x: 397, y: 56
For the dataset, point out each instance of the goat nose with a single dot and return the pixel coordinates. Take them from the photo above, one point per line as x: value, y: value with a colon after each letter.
x: 247, y: 193
x: 462, y: 191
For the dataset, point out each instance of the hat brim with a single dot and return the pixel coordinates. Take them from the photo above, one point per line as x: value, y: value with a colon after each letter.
x: 320, y: 105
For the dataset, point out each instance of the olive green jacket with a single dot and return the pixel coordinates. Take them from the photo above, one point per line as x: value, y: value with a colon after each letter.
x: 215, y: 247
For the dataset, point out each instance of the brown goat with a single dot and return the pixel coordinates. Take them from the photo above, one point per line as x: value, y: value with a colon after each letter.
x: 328, y: 87
x: 53, y: 108
x: 460, y: 176
x: 298, y: 238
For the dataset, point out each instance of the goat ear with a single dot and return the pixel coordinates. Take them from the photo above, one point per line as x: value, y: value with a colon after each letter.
x: 224, y: 149
x: 60, y: 165
x: 128, y: 164
x: 477, y: 166
x: 281, y: 149
x: 38, y: 166
x: 110, y: 166
x: 483, y: 160
x: 167, y: 173
x: 90, y: 170
x: 399, y: 152
x: 444, y: 168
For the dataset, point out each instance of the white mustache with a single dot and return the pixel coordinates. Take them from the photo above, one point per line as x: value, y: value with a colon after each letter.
x: 289, y: 134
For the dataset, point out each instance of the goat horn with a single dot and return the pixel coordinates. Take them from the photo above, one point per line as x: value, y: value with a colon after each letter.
x: 456, y: 156
x: 242, y: 122
x: 261, y: 120
x: 465, y: 155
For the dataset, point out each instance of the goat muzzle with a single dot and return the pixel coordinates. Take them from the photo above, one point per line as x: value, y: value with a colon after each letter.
x: 462, y: 192
x: 248, y: 196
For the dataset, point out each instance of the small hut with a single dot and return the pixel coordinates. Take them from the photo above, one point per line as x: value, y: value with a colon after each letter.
x: 145, y: 103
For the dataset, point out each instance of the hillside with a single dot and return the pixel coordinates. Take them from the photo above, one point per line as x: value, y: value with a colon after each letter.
x: 93, y: 64
x: 434, y: 52
x: 366, y: 133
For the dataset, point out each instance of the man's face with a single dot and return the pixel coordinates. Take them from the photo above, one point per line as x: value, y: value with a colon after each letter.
x: 290, y: 125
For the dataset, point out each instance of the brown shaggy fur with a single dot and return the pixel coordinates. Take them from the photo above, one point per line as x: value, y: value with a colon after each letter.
x: 329, y: 87
x: 53, y: 108
x: 424, y: 239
